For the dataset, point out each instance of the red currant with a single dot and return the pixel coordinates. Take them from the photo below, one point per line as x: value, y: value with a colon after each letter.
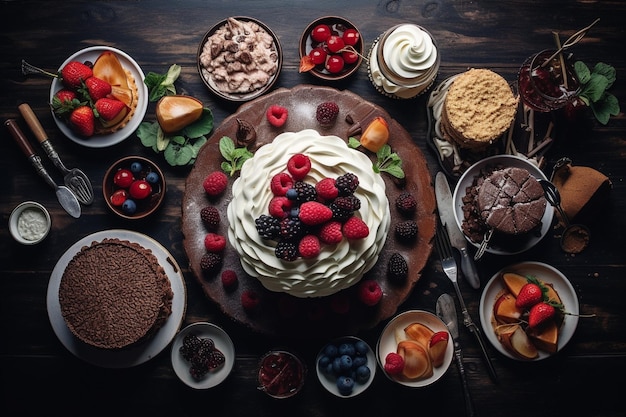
x: 318, y: 55
x: 140, y: 189
x: 123, y: 178
x: 349, y: 57
x: 351, y: 37
x: 320, y: 33
x: 118, y: 197
x: 334, y: 64
x: 335, y: 43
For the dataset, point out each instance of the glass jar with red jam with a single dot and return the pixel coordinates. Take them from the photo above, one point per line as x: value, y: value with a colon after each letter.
x: 546, y: 82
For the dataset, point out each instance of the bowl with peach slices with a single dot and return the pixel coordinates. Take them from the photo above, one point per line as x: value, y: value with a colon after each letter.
x: 415, y: 349
x: 99, y: 98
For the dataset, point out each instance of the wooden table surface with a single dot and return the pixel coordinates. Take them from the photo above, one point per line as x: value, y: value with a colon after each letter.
x: 40, y: 377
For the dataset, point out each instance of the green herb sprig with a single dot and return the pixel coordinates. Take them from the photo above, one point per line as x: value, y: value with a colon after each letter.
x: 594, y: 94
x: 235, y: 157
x: 389, y: 162
x: 160, y: 85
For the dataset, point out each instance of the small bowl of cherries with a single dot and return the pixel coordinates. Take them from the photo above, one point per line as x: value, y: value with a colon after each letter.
x: 331, y: 48
x: 133, y: 187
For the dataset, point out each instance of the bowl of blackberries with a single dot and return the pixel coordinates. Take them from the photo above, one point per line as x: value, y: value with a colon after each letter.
x: 331, y: 48
x: 133, y: 187
x: 346, y: 366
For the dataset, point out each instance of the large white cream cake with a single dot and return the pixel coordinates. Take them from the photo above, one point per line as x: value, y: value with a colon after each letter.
x: 338, y: 266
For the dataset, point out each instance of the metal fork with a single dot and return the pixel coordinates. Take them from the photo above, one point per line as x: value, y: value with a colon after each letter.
x: 448, y: 263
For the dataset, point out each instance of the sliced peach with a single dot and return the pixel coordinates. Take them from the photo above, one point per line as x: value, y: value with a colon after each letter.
x: 514, y: 282
x: 417, y: 363
x: 178, y: 111
x: 505, y: 310
x: 375, y: 135
x: 109, y: 68
x: 437, y: 347
x: 545, y: 337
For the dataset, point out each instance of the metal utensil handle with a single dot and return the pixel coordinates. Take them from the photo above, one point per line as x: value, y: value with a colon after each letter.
x: 35, y: 126
x: 479, y: 337
x: 28, y: 150
x: 469, y: 404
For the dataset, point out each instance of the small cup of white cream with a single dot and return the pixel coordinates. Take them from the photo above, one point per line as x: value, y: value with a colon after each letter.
x: 29, y: 223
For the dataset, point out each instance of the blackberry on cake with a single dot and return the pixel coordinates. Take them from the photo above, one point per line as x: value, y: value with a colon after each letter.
x: 397, y: 268
x: 267, y: 226
x: 406, y: 231
x: 406, y: 203
x: 326, y: 113
x: 347, y: 183
x: 211, y: 261
x: 210, y: 216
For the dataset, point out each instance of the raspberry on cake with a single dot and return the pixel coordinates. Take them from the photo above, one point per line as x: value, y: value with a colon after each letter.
x: 215, y: 183
x: 370, y: 292
x: 214, y: 242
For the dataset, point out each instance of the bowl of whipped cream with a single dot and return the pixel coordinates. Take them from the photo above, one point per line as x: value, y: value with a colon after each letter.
x: 29, y: 223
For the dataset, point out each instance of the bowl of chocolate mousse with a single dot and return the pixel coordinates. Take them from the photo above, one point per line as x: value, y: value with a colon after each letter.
x: 404, y: 61
x: 239, y: 59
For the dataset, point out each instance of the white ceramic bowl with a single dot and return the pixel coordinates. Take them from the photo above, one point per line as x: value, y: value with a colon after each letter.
x: 330, y: 383
x: 222, y: 342
x: 387, y: 343
x: 519, y: 243
x: 29, y: 223
x: 549, y: 275
x: 101, y: 141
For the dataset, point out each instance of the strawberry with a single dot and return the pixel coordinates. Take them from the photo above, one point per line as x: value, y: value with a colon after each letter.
x: 82, y: 121
x: 74, y: 73
x: 309, y: 246
x: 97, y: 88
x: 280, y: 183
x: 529, y: 295
x: 355, y: 228
x: 64, y: 102
x: 299, y: 166
x: 109, y: 108
x: 326, y: 113
x: 277, y: 115
x: 331, y: 233
x: 313, y: 213
x: 64, y: 95
x: 540, y: 313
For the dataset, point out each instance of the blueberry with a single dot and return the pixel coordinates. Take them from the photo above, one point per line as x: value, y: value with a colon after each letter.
x: 291, y: 194
x: 136, y: 167
x: 295, y: 212
x: 152, y: 177
x: 363, y: 374
x: 347, y: 349
x: 345, y: 362
x: 361, y: 347
x: 329, y: 370
x: 331, y: 351
x: 324, y: 361
x: 345, y: 384
x: 359, y: 361
x: 129, y: 206
x: 337, y: 365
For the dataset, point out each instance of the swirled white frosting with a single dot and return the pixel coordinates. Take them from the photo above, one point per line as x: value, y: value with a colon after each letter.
x: 410, y: 55
x: 338, y: 266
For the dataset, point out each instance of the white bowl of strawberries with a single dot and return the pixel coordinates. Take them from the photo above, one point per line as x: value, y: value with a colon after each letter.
x: 99, y: 98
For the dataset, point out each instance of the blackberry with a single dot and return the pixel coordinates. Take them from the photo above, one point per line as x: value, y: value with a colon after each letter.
x: 267, y: 226
x: 304, y: 192
x: 190, y: 346
x: 397, y: 269
x: 349, y: 203
x: 286, y: 250
x: 406, y: 203
x: 339, y: 214
x: 406, y: 231
x: 210, y: 261
x: 291, y: 228
x: 215, y: 359
x: 347, y: 183
x: 210, y: 217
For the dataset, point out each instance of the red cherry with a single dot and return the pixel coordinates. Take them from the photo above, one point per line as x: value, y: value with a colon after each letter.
x: 349, y: 57
x: 118, y: 197
x: 318, y: 55
x: 123, y: 178
x: 320, y: 33
x: 334, y: 64
x: 351, y: 37
x: 335, y: 43
x: 140, y: 189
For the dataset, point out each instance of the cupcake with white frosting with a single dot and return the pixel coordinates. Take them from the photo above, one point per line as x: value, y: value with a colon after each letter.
x: 404, y: 61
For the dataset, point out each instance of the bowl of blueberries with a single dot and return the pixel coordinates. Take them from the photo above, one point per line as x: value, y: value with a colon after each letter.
x: 346, y: 366
x: 133, y: 187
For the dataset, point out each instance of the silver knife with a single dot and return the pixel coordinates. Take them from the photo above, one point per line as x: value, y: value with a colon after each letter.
x: 446, y: 310
x: 66, y: 198
x: 445, y: 206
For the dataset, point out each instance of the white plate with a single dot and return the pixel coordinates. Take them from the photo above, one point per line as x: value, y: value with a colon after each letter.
x: 135, y: 355
x: 222, y: 342
x: 549, y: 275
x: 330, y: 383
x: 518, y: 244
x: 101, y: 141
x: 387, y: 343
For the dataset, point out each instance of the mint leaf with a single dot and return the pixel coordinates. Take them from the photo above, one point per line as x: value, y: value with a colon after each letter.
x: 608, y: 71
x: 389, y: 162
x: 353, y: 142
x: 235, y: 157
x: 582, y: 72
x: 595, y: 88
x: 227, y: 146
x: 147, y: 133
x: 605, y: 108
x: 200, y: 127
x: 160, y: 85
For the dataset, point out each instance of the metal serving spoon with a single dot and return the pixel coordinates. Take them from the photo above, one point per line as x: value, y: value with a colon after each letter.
x: 574, y: 233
